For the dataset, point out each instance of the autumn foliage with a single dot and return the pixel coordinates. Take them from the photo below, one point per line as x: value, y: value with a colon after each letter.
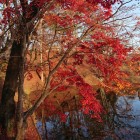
x: 69, y: 36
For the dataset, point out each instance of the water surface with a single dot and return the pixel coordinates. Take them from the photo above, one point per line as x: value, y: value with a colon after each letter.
x: 123, y: 123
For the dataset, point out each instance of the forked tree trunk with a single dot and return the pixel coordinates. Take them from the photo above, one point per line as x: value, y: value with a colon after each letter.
x: 7, y: 107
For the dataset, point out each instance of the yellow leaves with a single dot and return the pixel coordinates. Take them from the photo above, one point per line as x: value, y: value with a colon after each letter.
x: 122, y: 85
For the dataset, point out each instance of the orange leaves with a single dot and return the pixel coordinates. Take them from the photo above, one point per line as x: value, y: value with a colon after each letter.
x: 51, y: 19
x: 123, y: 85
x: 61, y: 20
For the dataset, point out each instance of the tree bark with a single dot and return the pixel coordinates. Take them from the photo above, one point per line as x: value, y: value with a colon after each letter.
x: 19, y: 110
x: 7, y: 107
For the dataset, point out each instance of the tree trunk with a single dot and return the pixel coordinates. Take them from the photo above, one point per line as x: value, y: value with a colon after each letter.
x: 7, y: 107
x: 19, y: 110
x: 21, y: 131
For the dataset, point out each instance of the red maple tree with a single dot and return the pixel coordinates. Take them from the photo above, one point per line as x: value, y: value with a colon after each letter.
x: 79, y: 31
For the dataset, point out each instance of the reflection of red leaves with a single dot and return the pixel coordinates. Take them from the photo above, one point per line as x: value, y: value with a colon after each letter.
x: 63, y: 117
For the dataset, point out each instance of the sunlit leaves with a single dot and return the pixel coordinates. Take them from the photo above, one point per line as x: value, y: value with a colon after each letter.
x: 78, y: 26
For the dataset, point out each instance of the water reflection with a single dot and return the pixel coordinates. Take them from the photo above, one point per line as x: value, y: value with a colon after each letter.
x: 121, y: 123
x: 128, y: 115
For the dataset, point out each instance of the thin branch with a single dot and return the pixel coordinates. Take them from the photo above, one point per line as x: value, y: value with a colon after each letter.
x: 122, y: 4
x: 45, y: 94
x: 118, y: 19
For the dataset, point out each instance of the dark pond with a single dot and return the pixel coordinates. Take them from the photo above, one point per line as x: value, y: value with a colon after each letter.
x: 121, y: 124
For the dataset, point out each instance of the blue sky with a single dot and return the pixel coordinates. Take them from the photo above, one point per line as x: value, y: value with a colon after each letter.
x: 130, y: 9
